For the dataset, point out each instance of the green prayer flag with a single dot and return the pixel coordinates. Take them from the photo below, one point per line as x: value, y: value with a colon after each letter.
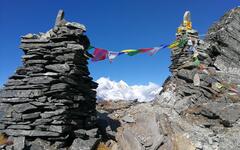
x: 90, y: 47
x: 182, y: 42
x: 133, y: 53
x: 196, y: 62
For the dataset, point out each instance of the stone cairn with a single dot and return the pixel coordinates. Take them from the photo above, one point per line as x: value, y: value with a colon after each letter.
x: 196, y: 78
x: 182, y: 53
x: 51, y: 96
x: 192, y: 68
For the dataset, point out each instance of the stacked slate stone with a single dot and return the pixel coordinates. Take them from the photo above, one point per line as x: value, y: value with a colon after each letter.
x: 197, y: 76
x: 182, y: 53
x: 193, y: 72
x: 51, y: 95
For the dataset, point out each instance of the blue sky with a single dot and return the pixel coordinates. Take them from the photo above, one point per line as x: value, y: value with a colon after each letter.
x: 113, y: 25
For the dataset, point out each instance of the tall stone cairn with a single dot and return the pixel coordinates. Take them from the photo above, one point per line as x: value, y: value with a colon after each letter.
x: 182, y: 53
x: 51, y: 95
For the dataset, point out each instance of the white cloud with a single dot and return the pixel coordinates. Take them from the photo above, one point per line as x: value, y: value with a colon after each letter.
x: 112, y: 90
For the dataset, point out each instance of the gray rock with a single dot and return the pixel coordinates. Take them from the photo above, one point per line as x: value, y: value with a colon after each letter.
x: 27, y: 46
x: 229, y: 139
x: 49, y: 114
x: 30, y: 36
x: 186, y: 75
x: 79, y: 144
x: 75, y: 46
x: 31, y: 116
x: 31, y: 62
x: 129, y: 141
x: 19, y: 143
x: 59, y: 145
x: 2, y: 147
x: 24, y: 107
x: 71, y: 57
x: 40, y: 144
x: 53, y: 74
x: 36, y: 147
x: 9, y: 147
x: 26, y: 127
x: 14, y: 82
x: 228, y: 113
x: 40, y: 80
x: 23, y: 87
x: 4, y: 107
x: 14, y: 100
x: 41, y: 122
x: 59, y: 128
x: 59, y: 87
x: 83, y: 133
x: 2, y: 126
x: 76, y: 25
x: 34, y: 41
x: 21, y: 93
x: 32, y: 133
x: 128, y: 119
x: 61, y: 68
x: 59, y: 18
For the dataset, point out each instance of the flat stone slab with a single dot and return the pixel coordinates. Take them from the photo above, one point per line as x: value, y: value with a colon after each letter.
x: 62, y: 68
x: 44, y: 45
x: 31, y: 116
x: 32, y: 133
x: 19, y: 143
x: 34, y: 40
x: 15, y: 100
x: 20, y: 93
x: 40, y: 80
x: 25, y: 127
x: 79, y: 144
x: 23, y: 107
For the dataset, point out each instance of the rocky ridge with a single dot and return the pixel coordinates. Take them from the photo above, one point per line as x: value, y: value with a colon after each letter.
x: 199, y: 106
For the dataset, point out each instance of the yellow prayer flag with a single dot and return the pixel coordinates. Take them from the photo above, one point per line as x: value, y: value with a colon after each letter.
x: 174, y: 44
x: 218, y: 85
x: 187, y: 24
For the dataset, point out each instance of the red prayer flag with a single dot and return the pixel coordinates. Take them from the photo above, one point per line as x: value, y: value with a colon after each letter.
x: 99, y: 54
x: 143, y: 50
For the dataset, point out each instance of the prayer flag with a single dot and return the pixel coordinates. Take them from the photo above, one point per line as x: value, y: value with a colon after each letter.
x: 233, y: 90
x: 196, y: 62
x: 154, y: 50
x: 189, y: 42
x: 165, y: 46
x: 174, y: 44
x: 232, y: 94
x: 182, y: 43
x: 99, y: 54
x: 143, y: 50
x: 112, y: 55
x: 196, y: 80
x: 192, y: 48
x: 131, y: 52
x: 90, y: 47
